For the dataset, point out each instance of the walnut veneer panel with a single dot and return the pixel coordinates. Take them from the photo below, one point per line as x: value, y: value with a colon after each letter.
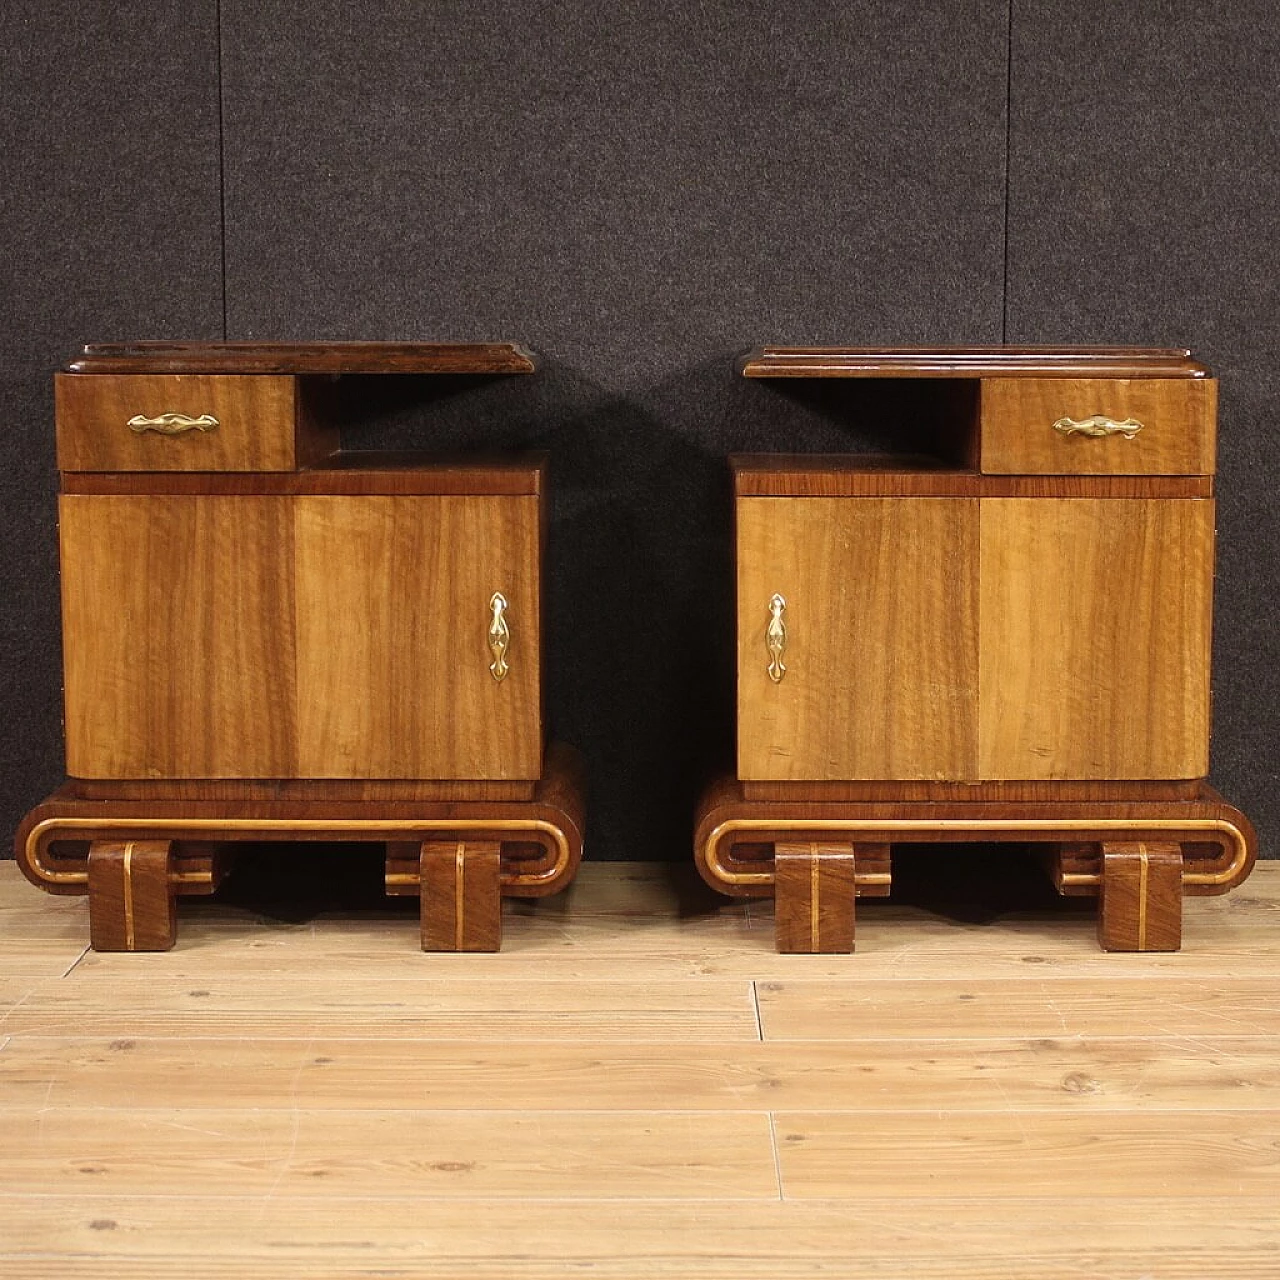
x: 178, y: 636
x: 393, y: 661
x: 1095, y: 637
x: 257, y: 423
x: 1177, y: 436
x: 881, y: 655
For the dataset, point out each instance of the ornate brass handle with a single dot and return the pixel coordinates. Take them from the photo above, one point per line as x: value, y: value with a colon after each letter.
x: 499, y: 636
x: 1098, y: 425
x: 775, y: 638
x: 172, y: 424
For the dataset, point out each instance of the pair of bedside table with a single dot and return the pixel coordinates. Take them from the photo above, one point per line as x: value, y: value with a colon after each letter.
x: 266, y: 638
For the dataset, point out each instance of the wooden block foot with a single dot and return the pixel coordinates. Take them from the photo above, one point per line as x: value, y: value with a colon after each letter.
x: 813, y: 898
x: 131, y: 899
x: 1140, y: 906
x: 461, y: 896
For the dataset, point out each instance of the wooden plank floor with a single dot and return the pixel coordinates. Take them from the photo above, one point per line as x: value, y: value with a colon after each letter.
x: 639, y: 1086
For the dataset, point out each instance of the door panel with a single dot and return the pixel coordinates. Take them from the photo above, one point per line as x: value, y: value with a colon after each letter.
x: 178, y: 636
x: 393, y: 599
x: 1095, y: 636
x: 881, y: 649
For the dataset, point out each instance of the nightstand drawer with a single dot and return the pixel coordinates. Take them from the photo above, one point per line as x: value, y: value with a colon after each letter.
x: 183, y: 422
x: 1098, y: 426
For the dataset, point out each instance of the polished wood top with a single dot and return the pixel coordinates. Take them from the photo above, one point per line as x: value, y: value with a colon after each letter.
x: 304, y: 357
x: 971, y: 362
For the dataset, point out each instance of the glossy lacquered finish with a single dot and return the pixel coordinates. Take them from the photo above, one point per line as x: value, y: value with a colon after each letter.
x: 1007, y: 640
x: 185, y: 422
x: 304, y: 357
x: 266, y: 638
x: 971, y: 362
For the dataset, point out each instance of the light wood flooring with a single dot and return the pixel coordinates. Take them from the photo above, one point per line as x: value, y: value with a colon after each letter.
x: 639, y: 1086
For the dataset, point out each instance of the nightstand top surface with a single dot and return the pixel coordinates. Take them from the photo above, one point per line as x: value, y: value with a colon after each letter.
x: 971, y: 362
x: 304, y: 357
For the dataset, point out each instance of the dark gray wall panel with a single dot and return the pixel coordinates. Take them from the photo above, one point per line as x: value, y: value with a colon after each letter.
x: 109, y: 218
x: 1144, y: 191
x: 639, y: 191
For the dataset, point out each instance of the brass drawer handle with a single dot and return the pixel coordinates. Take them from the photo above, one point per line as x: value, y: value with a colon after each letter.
x: 172, y: 424
x: 775, y: 638
x: 1097, y: 426
x: 499, y: 636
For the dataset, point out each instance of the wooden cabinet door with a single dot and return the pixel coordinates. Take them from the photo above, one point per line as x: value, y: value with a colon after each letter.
x: 177, y: 626
x: 881, y: 654
x: 264, y: 636
x: 1095, y: 637
x: 394, y: 665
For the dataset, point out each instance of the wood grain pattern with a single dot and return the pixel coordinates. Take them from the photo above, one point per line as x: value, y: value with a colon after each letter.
x: 1205, y: 1154
x: 814, y: 898
x: 259, y: 424
x: 178, y: 637
x: 461, y: 896
x: 304, y: 357
x: 131, y: 903
x: 341, y: 1154
x: 1036, y: 791
x: 316, y: 790
x: 881, y: 653
x: 905, y: 1073
x: 1061, y: 1010
x: 848, y: 475
x: 1178, y: 417
x: 417, y: 1001
x: 396, y: 683
x: 970, y: 362
x: 952, y: 1237
x: 343, y: 473
x: 974, y: 1098
x: 254, y: 637
x: 1140, y: 907
x: 1095, y: 638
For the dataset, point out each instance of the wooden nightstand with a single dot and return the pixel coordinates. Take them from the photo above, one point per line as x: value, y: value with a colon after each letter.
x: 268, y: 638
x: 1006, y: 639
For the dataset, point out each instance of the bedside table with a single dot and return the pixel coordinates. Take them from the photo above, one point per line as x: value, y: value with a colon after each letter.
x: 268, y: 638
x: 1005, y: 639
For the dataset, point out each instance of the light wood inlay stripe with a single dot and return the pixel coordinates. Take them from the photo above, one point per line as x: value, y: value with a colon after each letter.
x: 459, y: 894
x: 129, y: 932
x: 814, y: 880
x: 1144, y: 871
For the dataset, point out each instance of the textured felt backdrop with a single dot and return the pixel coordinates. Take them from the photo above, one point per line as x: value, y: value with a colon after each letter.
x: 640, y: 192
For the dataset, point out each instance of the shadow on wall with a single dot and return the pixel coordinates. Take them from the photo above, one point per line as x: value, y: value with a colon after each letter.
x: 639, y: 585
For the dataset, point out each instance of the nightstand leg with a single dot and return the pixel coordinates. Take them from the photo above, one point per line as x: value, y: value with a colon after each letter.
x: 461, y: 896
x: 1140, y: 905
x: 131, y: 902
x: 813, y: 897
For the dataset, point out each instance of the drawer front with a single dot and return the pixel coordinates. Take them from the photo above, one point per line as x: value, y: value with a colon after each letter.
x: 1098, y: 426
x: 175, y: 422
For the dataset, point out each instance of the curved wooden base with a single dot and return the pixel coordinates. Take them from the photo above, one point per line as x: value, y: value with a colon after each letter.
x: 1139, y: 854
x: 133, y: 856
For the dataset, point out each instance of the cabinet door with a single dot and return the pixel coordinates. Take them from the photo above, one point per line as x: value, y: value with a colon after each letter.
x: 177, y: 623
x: 1095, y: 622
x: 881, y: 652
x: 394, y: 664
